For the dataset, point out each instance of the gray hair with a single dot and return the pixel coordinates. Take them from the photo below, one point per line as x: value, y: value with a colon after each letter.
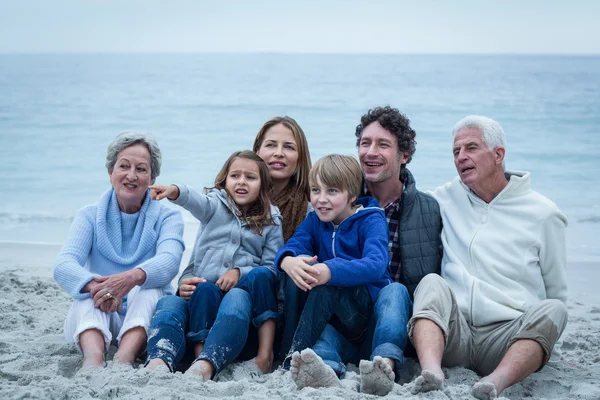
x: 492, y: 133
x: 129, y: 138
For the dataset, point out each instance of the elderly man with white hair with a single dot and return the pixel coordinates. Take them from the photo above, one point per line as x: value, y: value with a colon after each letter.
x: 499, y: 306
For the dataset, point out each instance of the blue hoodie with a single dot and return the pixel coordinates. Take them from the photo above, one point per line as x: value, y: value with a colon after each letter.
x: 356, y: 252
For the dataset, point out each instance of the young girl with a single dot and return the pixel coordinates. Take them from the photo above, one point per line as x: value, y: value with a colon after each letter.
x: 230, y: 280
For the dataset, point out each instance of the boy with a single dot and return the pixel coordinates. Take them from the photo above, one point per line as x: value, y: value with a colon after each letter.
x: 340, y: 255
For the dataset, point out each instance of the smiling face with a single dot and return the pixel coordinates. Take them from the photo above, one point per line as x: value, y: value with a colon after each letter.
x: 280, y: 152
x: 475, y: 163
x: 330, y: 204
x: 131, y: 176
x: 243, y: 182
x: 378, y: 154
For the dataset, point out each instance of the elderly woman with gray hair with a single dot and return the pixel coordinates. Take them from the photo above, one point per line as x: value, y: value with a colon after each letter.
x: 120, y: 256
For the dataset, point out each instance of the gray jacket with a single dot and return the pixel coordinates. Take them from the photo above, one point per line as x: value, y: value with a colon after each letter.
x: 224, y: 240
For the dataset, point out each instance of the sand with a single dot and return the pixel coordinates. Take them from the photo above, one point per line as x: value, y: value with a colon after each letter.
x: 36, y: 362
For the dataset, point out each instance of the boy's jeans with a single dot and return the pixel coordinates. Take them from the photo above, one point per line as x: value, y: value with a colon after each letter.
x: 387, y: 333
x: 347, y: 309
x: 220, y: 320
x: 293, y: 304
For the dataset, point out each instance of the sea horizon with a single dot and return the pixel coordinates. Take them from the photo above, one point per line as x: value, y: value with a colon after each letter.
x: 58, y: 112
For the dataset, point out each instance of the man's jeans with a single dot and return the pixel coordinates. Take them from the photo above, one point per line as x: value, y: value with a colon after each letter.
x: 387, y: 333
x: 347, y: 309
x: 219, y: 320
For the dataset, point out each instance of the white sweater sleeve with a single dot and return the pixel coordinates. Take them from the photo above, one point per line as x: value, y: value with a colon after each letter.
x: 553, y: 256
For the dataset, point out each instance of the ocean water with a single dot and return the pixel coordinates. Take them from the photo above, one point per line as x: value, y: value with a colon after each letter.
x: 59, y: 112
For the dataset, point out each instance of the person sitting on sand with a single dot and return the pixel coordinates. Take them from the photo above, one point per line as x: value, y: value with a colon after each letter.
x: 282, y: 144
x: 346, y: 241
x: 233, y: 262
x: 386, y: 143
x: 120, y: 256
x: 499, y: 308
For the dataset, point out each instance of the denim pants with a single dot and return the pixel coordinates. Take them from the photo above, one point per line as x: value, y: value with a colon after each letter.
x: 293, y: 304
x: 347, y: 309
x: 219, y: 320
x: 387, y: 335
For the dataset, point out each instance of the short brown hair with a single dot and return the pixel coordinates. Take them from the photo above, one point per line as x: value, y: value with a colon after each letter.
x: 259, y: 213
x: 338, y: 171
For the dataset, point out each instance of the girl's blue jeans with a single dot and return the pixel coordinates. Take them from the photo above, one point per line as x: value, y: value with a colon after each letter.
x: 219, y: 320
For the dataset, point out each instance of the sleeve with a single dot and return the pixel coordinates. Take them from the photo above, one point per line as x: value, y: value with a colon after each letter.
x: 69, y: 271
x: 273, y: 242
x: 163, y: 267
x: 188, y: 272
x: 301, y: 243
x: 553, y: 256
x: 201, y: 206
x: 374, y: 261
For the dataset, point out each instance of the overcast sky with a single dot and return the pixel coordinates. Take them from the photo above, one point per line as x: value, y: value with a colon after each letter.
x: 315, y: 26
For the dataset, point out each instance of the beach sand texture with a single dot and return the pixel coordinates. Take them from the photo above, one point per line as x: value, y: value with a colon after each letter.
x: 36, y: 362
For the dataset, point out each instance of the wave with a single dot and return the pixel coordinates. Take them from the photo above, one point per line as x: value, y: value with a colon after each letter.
x: 594, y: 219
x: 26, y: 218
x: 38, y: 243
x: 32, y: 218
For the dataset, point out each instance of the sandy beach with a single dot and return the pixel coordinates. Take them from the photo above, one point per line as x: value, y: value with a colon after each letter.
x: 36, y: 362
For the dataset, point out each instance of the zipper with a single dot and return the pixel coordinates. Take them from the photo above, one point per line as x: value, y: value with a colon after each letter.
x: 340, y: 224
x: 483, y: 221
x: 333, y: 240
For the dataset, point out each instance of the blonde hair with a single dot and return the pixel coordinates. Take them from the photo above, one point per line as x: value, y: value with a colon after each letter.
x: 300, y: 175
x: 338, y: 171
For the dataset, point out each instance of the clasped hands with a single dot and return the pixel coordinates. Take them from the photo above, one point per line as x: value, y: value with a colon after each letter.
x: 104, y: 299
x: 107, y: 292
x: 305, y: 275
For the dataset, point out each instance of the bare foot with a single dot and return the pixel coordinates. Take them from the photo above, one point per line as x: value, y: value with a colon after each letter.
x: 264, y: 362
x: 201, y: 368
x: 309, y: 370
x: 376, y: 377
x: 124, y: 359
x: 428, y: 381
x: 484, y: 391
x: 156, y: 363
x: 93, y: 360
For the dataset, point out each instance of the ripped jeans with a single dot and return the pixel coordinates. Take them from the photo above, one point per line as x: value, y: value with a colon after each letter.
x: 219, y: 320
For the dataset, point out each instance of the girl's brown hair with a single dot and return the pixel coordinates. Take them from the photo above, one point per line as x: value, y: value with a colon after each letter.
x: 258, y: 214
x: 300, y: 176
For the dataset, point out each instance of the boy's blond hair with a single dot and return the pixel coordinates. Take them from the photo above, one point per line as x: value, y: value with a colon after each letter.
x: 338, y: 171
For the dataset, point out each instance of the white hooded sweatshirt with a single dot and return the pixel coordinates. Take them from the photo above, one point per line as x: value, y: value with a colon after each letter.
x: 501, y: 257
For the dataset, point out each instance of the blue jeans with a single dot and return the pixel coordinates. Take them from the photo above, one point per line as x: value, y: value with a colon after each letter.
x: 219, y: 320
x: 293, y: 305
x: 347, y: 309
x: 387, y: 333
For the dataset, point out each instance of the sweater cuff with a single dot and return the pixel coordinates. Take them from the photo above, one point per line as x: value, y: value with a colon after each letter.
x: 244, y: 271
x: 184, y: 194
x: 332, y: 273
x: 78, y: 295
x: 279, y: 260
